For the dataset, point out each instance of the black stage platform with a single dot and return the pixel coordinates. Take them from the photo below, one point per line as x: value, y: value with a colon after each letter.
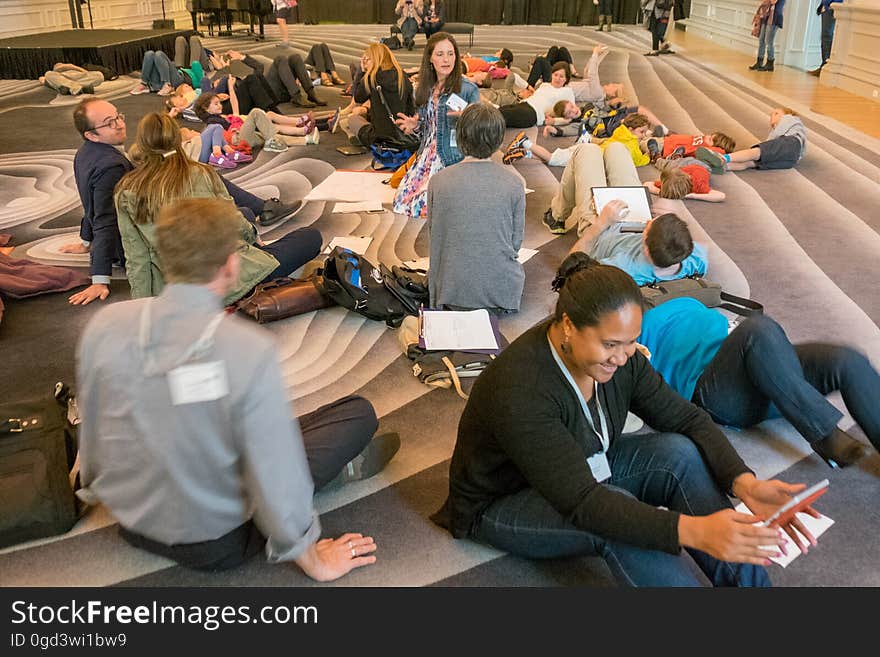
x: 29, y: 57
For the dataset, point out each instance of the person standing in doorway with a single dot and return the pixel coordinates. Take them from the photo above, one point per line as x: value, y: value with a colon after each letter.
x: 826, y: 13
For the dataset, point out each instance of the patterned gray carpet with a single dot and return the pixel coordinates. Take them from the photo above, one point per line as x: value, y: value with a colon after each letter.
x: 804, y: 242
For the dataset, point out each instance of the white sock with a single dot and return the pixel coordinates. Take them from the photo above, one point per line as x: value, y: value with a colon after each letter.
x: 527, y: 144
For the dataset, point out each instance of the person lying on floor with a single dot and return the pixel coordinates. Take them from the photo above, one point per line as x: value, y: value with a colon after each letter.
x: 507, y: 94
x: 258, y: 128
x: 534, y: 109
x: 684, y: 178
x: 165, y: 174
x: 542, y: 66
x: 663, y: 251
x: 385, y: 87
x: 674, y: 146
x: 755, y: 373
x: 497, y: 64
x: 473, y: 264
x: 286, y: 75
x: 98, y: 166
x: 541, y: 469
x: 783, y: 149
x: 160, y: 75
x: 321, y: 60
x: 70, y: 79
x: 236, y: 475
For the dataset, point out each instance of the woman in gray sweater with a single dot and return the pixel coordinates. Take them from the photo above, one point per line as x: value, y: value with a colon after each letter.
x: 476, y: 217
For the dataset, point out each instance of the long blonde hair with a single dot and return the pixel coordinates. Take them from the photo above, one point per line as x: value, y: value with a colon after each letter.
x: 164, y: 172
x: 382, y: 59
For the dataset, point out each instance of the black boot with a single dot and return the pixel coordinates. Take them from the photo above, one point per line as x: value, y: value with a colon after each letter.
x: 757, y: 66
x: 768, y: 66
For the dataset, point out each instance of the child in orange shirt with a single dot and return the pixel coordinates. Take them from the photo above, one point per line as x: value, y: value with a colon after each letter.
x: 684, y: 178
x: 676, y: 145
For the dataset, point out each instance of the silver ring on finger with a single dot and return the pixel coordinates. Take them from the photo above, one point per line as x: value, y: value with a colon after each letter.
x: 353, y: 553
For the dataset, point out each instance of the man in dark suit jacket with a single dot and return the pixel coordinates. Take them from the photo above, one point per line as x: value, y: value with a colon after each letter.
x: 97, y: 167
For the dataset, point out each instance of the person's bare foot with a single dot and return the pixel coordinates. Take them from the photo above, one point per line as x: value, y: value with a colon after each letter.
x: 74, y: 247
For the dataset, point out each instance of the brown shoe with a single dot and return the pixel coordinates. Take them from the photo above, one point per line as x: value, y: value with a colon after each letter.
x: 336, y: 79
x: 325, y: 80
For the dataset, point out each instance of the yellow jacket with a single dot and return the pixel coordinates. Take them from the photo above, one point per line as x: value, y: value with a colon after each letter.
x: 624, y: 136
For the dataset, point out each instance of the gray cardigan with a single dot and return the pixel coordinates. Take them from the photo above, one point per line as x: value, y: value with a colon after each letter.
x: 476, y: 217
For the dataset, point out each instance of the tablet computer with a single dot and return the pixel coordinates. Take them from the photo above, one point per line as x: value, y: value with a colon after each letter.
x: 784, y: 514
x: 636, y: 197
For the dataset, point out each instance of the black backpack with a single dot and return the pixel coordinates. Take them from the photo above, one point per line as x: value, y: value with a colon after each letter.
x: 392, y: 42
x: 410, y: 286
x: 354, y: 282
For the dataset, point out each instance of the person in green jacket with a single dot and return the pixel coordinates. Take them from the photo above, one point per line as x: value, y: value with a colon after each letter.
x: 164, y: 173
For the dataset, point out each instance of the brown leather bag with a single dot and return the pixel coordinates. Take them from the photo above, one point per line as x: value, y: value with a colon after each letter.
x: 284, y: 297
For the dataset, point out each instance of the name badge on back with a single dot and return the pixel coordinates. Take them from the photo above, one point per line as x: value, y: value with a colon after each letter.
x: 202, y: 382
x: 599, y: 466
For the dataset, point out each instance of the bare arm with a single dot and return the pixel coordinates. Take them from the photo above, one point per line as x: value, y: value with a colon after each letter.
x: 714, y: 196
x: 233, y: 99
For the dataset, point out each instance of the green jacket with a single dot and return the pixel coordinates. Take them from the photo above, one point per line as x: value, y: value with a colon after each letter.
x: 143, y: 267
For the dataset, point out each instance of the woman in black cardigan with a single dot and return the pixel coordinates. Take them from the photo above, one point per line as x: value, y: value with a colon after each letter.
x: 386, y: 91
x: 541, y: 470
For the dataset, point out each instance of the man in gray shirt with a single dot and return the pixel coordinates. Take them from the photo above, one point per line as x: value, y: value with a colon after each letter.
x: 187, y: 434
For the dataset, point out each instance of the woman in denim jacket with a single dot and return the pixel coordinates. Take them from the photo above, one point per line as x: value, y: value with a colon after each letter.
x: 440, y: 80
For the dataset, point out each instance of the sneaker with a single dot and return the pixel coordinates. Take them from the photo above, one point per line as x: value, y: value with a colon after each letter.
x: 715, y: 161
x: 313, y: 137
x: 221, y: 162
x: 166, y: 90
x: 659, y: 130
x: 653, y: 53
x: 653, y: 149
x: 274, y: 145
x: 240, y: 157
x: 585, y: 136
x: 333, y: 122
x: 555, y: 226
x: 512, y: 154
x: 518, y: 141
x: 370, y: 462
x: 88, y: 90
x: 677, y: 154
x: 140, y: 89
x: 274, y: 211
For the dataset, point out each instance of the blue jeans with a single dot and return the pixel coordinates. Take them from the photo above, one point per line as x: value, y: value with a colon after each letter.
x: 157, y: 69
x: 212, y: 136
x: 828, y: 22
x: 766, y: 38
x: 293, y: 250
x: 757, y: 373
x: 658, y: 469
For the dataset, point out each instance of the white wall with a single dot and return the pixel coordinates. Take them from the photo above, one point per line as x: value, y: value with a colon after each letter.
x: 729, y: 23
x: 855, y: 55
x: 35, y: 16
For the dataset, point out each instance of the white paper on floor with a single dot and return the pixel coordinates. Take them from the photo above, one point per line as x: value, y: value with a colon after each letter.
x: 354, y: 186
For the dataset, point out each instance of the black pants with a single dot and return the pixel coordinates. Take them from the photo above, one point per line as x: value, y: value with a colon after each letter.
x: 333, y: 435
x: 255, y: 91
x: 293, y: 250
x: 558, y: 54
x: 519, y: 115
x: 658, y: 31
x: 542, y: 67
x: 431, y: 28
x: 288, y: 76
x: 606, y: 7
x: 320, y: 58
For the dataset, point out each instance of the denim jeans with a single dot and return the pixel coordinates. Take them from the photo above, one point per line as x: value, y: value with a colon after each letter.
x: 157, y: 69
x: 828, y: 22
x: 758, y: 373
x: 658, y: 469
x: 766, y: 38
x: 212, y: 136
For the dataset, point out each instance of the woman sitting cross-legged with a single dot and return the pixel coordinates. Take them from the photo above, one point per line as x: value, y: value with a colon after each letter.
x: 166, y: 174
x: 476, y: 218
x: 541, y: 468
x: 755, y: 373
x: 386, y: 90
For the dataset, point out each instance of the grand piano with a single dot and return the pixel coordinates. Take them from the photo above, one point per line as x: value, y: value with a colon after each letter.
x: 220, y: 11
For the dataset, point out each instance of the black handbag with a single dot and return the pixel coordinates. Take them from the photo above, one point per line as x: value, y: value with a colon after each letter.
x: 38, y: 468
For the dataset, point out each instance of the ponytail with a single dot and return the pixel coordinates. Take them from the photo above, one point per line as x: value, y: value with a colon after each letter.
x: 589, y: 290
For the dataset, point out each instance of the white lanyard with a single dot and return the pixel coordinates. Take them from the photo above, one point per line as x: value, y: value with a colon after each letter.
x: 603, y: 436
x: 196, y: 350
